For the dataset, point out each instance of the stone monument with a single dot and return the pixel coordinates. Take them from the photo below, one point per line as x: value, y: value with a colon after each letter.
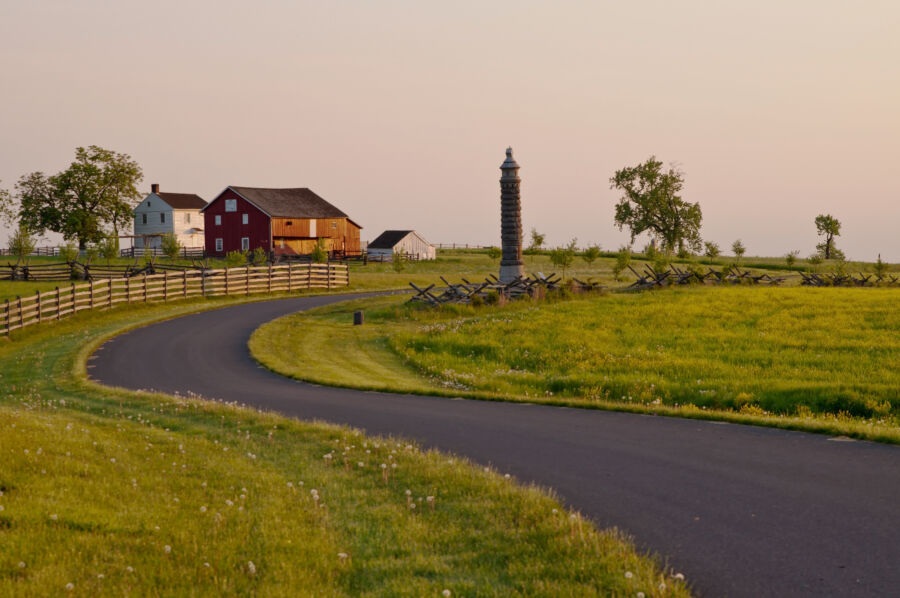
x: 511, y: 265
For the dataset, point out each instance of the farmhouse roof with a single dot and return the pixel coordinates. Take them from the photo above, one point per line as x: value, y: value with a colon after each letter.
x: 289, y: 203
x: 389, y: 238
x: 182, y: 201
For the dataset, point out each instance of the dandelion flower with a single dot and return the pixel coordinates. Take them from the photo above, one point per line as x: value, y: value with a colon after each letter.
x: 662, y: 587
x: 629, y: 575
x: 206, y: 565
x: 203, y: 509
x: 408, y: 492
x: 21, y: 564
x: 130, y: 569
x: 342, y: 556
x: 70, y: 586
x: 446, y: 593
x: 100, y: 576
x: 412, y: 506
x: 641, y: 595
x: 54, y: 517
x: 251, y: 568
x: 679, y: 576
x: 167, y: 549
x: 506, y: 476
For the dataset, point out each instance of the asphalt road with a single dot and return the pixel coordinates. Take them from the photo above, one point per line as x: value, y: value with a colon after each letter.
x: 740, y: 510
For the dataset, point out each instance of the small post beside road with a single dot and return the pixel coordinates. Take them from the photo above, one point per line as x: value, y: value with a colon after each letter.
x: 358, y: 318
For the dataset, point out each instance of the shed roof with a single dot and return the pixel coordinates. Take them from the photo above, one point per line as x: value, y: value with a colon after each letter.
x: 389, y: 239
x: 297, y: 202
x: 183, y: 201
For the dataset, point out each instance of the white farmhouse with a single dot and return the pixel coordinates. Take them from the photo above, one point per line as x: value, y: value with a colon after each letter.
x: 409, y: 243
x: 160, y: 213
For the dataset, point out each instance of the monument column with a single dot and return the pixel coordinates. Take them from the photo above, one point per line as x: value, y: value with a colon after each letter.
x: 511, y: 265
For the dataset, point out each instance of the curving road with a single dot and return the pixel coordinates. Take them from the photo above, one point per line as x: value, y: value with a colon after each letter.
x: 740, y: 510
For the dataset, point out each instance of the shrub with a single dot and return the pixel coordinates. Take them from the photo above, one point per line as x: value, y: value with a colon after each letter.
x: 320, y: 252
x: 492, y: 298
x: 880, y: 268
x: 650, y: 251
x: 170, y: 245
x: 494, y: 253
x: 791, y: 258
x: 398, y: 262
x: 684, y: 253
x: 563, y: 257
x: 260, y: 256
x: 68, y: 252
x: 235, y: 258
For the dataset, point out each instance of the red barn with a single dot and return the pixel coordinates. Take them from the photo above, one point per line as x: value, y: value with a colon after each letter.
x: 284, y: 221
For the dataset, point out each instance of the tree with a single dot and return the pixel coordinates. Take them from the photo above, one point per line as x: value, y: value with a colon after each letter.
x: 829, y: 227
x: 21, y: 243
x: 791, y: 258
x: 109, y: 249
x: 398, y: 262
x: 170, y: 245
x: 651, y: 202
x: 880, y: 268
x: 95, y: 192
x: 591, y: 254
x: 494, y: 253
x: 7, y: 210
x: 260, y: 256
x: 623, y: 260
x: 738, y: 249
x: 564, y: 256
x: 711, y: 249
x: 537, y: 240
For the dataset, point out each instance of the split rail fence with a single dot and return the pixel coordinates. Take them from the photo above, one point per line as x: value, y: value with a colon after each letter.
x: 168, y: 286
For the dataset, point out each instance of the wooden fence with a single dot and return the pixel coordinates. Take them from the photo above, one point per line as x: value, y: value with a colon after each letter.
x: 169, y: 286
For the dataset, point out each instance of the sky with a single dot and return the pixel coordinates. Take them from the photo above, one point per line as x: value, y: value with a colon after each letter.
x: 399, y: 111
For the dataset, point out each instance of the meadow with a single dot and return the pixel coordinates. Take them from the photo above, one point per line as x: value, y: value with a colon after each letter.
x: 814, y: 359
x: 110, y: 492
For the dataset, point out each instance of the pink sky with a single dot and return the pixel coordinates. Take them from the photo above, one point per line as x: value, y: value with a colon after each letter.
x: 399, y: 112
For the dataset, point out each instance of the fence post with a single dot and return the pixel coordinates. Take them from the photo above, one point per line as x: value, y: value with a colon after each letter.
x: 328, y: 273
x: 109, y: 302
x: 290, y: 275
x: 39, y: 306
x: 145, y: 287
x: 21, y: 316
x: 73, y: 298
x: 184, y: 282
x: 270, y: 278
x: 127, y: 289
x: 7, y: 317
x: 226, y: 281
x: 309, y: 274
x: 348, y: 274
x: 165, y: 286
x: 91, y: 288
x: 247, y: 282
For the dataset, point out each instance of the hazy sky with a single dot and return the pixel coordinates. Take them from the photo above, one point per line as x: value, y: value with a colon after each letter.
x: 399, y: 112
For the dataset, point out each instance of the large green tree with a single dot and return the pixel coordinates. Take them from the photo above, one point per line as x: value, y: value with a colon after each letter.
x: 829, y: 227
x: 94, y: 195
x: 651, y: 202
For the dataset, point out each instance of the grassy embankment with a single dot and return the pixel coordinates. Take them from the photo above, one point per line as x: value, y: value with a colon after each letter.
x: 108, y: 492
x: 822, y: 360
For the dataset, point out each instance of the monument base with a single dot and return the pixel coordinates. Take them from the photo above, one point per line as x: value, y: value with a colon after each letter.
x: 509, y: 273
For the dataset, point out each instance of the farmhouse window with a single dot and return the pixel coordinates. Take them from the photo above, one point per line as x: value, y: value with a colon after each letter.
x: 245, y: 218
x: 245, y: 243
x: 218, y: 220
x: 334, y: 224
x: 231, y: 205
x: 162, y: 217
x: 289, y: 223
x: 218, y: 244
x: 187, y: 218
x: 143, y: 219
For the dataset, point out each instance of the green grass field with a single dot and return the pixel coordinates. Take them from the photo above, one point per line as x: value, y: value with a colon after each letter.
x: 108, y: 492
x: 815, y: 359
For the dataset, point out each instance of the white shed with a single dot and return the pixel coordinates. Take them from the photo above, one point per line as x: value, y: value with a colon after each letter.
x: 161, y: 213
x: 407, y: 242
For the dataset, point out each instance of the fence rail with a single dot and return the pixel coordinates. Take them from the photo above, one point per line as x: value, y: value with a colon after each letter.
x: 184, y: 253
x: 169, y: 286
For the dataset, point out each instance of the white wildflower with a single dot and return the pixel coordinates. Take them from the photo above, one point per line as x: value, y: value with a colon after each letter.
x: 167, y: 549
x: 629, y: 575
x: 251, y: 568
x: 70, y: 586
x: 446, y: 593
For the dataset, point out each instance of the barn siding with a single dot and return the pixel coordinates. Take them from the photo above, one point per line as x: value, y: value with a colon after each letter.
x: 342, y: 234
x: 232, y: 230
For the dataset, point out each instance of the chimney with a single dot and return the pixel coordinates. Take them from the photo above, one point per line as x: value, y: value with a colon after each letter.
x: 154, y: 188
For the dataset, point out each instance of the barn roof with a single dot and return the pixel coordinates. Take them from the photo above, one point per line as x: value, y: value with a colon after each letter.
x: 389, y: 238
x: 298, y: 202
x: 183, y: 201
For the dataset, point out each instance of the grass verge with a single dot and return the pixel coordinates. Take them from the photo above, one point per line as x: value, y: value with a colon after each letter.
x: 818, y: 360
x: 109, y: 492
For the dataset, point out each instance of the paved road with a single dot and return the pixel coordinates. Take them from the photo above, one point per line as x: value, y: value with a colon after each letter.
x: 740, y: 510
